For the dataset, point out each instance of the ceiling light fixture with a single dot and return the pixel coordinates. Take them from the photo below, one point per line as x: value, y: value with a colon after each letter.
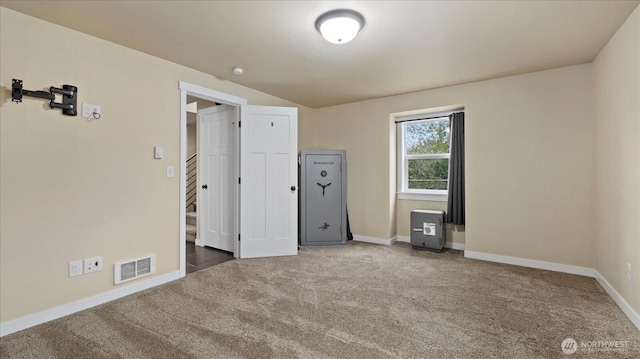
x: 340, y: 26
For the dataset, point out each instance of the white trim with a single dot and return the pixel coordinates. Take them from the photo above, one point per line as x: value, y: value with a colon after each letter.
x: 433, y: 111
x: 531, y: 263
x: 433, y: 197
x: 626, y: 308
x: 211, y: 95
x: 633, y: 316
x: 402, y: 165
x: 454, y: 245
x: 374, y: 240
x: 214, y: 96
x: 182, y: 213
x: 447, y: 244
x: 31, y: 320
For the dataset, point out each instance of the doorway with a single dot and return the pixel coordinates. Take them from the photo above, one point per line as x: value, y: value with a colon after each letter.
x: 209, y: 194
x: 198, y: 254
x: 265, y: 211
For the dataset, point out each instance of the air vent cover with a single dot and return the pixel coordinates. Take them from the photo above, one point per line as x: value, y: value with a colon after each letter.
x: 135, y: 268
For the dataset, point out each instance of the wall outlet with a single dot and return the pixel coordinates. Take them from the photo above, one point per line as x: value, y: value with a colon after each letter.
x: 629, y: 271
x: 92, y: 265
x: 75, y: 268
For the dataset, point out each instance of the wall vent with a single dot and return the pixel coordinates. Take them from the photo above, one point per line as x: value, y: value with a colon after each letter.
x: 133, y: 269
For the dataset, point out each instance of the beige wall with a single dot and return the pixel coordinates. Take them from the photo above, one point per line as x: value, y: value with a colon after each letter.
x: 617, y: 117
x: 529, y: 165
x: 93, y: 188
x: 192, y: 139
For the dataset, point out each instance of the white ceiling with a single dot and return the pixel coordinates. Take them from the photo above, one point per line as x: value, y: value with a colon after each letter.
x: 405, y: 46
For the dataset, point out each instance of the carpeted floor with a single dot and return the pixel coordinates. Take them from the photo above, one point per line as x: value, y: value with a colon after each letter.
x: 354, y: 301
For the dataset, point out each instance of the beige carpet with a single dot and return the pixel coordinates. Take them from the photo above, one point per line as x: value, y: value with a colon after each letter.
x: 354, y: 301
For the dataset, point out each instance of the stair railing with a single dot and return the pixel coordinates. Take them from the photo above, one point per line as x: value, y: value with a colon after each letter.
x: 192, y: 176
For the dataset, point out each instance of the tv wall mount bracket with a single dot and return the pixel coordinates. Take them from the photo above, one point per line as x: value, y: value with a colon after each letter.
x: 69, y: 96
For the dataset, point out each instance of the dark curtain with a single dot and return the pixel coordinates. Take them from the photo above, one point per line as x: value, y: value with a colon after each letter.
x: 455, y: 204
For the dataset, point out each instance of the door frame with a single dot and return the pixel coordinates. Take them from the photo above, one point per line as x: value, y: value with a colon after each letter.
x: 213, y: 96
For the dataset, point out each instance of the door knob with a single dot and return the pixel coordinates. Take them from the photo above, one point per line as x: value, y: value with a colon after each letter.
x: 204, y: 186
x: 293, y: 188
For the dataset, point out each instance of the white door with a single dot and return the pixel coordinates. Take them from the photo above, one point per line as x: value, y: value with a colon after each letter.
x: 217, y: 167
x: 269, y: 181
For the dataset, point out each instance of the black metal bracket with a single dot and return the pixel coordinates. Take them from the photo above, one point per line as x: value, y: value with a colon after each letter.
x: 69, y: 96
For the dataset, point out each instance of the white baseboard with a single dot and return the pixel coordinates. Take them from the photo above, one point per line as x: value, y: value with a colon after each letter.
x: 531, y: 263
x: 450, y: 245
x: 374, y: 240
x: 31, y: 320
x: 28, y: 321
x: 199, y: 242
x: 564, y: 268
x: 626, y: 308
x: 454, y: 245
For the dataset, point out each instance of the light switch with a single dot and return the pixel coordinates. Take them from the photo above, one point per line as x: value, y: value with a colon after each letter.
x: 170, y: 171
x: 158, y: 152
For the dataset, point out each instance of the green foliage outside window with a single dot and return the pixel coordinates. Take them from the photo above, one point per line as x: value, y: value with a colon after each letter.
x: 427, y: 138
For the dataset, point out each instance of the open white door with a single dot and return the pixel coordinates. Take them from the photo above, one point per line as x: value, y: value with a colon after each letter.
x: 217, y: 168
x: 269, y: 181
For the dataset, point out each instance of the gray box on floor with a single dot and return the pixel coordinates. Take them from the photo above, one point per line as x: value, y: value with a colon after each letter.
x: 427, y: 230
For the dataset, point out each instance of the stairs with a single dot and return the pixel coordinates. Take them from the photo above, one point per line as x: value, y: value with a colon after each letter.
x: 191, y: 226
x: 191, y: 197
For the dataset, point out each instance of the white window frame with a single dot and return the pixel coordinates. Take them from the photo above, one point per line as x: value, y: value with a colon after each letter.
x: 404, y: 192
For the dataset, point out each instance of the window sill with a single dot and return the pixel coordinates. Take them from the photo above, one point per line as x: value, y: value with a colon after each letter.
x: 434, y: 197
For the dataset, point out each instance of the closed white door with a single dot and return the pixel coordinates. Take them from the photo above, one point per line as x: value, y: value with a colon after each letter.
x: 269, y: 180
x: 217, y: 166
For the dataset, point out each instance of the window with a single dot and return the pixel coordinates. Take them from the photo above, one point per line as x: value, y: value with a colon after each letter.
x: 423, y: 158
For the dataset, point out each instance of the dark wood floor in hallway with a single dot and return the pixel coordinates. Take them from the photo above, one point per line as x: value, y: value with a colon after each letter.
x: 204, y: 257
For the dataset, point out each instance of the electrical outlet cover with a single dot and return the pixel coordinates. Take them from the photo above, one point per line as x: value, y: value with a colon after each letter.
x: 75, y: 268
x: 92, y: 265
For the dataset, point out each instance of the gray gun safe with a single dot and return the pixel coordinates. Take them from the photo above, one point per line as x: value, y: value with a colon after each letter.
x: 323, y: 197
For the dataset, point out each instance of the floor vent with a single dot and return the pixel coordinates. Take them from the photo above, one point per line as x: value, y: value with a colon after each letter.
x: 133, y: 269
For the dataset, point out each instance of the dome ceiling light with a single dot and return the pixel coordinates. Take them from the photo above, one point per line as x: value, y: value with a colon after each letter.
x: 340, y: 26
